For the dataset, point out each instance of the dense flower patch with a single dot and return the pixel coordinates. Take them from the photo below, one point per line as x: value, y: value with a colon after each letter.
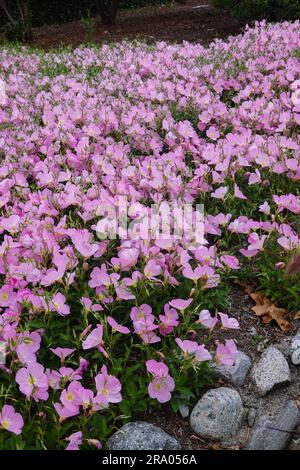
x: 94, y: 329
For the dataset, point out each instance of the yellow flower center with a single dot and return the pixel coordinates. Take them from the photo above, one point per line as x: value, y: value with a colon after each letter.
x: 31, y: 380
x: 5, y: 424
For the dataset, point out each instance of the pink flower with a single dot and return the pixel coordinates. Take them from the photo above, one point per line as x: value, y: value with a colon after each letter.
x: 99, y: 277
x: 180, y: 304
x: 62, y: 353
x: 168, y: 321
x: 230, y: 344
x: 160, y: 388
x: 265, y: 208
x: 254, y: 178
x: 225, y: 353
x: 116, y: 327
x: 71, y: 397
x: 10, y: 420
x: 8, y: 298
x: 163, y: 384
x: 193, y: 350
x: 89, y: 306
x: 65, y: 412
x: 193, y: 274
x: 227, y: 322
x: 75, y: 440
x: 230, y: 261
x: 152, y: 269
x: 220, y: 193
x: 207, y: 320
x: 238, y: 193
x: 54, y: 379
x: 82, y: 242
x: 256, y: 242
x: 94, y: 442
x: 141, y: 314
x: 143, y: 322
x: 33, y: 381
x: 29, y: 344
x: 188, y: 347
x: 94, y: 339
x: 202, y: 354
x: 128, y: 258
x: 108, y: 388
x: 58, y: 304
x: 213, y: 133
x: 158, y: 369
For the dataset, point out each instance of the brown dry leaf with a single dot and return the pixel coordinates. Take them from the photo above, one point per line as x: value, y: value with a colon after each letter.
x: 266, y: 309
x: 278, y: 315
x: 297, y: 315
x: 215, y: 446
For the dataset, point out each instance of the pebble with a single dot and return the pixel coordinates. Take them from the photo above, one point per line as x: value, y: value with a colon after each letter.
x: 295, y: 349
x: 253, y: 331
x: 296, y: 357
x: 251, y: 417
x: 218, y: 414
x: 184, y: 410
x: 272, y: 370
x: 140, y: 435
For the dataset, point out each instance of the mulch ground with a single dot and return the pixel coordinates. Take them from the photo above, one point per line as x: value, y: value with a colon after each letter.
x: 195, y: 21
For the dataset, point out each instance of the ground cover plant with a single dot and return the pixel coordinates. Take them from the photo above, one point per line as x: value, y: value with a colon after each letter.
x: 94, y: 330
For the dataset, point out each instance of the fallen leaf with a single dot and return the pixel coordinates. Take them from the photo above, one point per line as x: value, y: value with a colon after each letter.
x: 215, y: 446
x: 297, y: 315
x: 268, y: 311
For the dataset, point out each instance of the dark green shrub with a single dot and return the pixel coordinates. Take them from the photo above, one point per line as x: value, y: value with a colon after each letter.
x: 273, y: 10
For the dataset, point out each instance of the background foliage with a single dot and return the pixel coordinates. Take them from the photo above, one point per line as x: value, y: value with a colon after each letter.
x: 262, y: 9
x: 56, y: 11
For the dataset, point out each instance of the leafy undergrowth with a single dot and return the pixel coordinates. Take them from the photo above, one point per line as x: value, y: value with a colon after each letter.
x: 93, y: 329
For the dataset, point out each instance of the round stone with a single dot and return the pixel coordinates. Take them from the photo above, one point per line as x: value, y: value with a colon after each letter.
x: 218, y: 414
x: 140, y: 435
x: 296, y: 357
x: 295, y: 344
x: 271, y: 371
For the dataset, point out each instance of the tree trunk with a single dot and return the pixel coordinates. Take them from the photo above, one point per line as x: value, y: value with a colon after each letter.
x: 22, y: 16
x: 108, y: 11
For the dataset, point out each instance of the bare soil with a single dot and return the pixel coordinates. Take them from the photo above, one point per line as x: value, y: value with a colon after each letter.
x: 195, y: 21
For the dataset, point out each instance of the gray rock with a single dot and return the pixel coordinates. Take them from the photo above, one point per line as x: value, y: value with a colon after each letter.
x: 251, y: 417
x: 275, y: 434
x: 295, y: 343
x: 140, y: 435
x: 237, y: 373
x: 218, y: 414
x: 272, y: 370
x: 295, y: 349
x: 253, y: 331
x: 184, y: 410
x: 296, y: 357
